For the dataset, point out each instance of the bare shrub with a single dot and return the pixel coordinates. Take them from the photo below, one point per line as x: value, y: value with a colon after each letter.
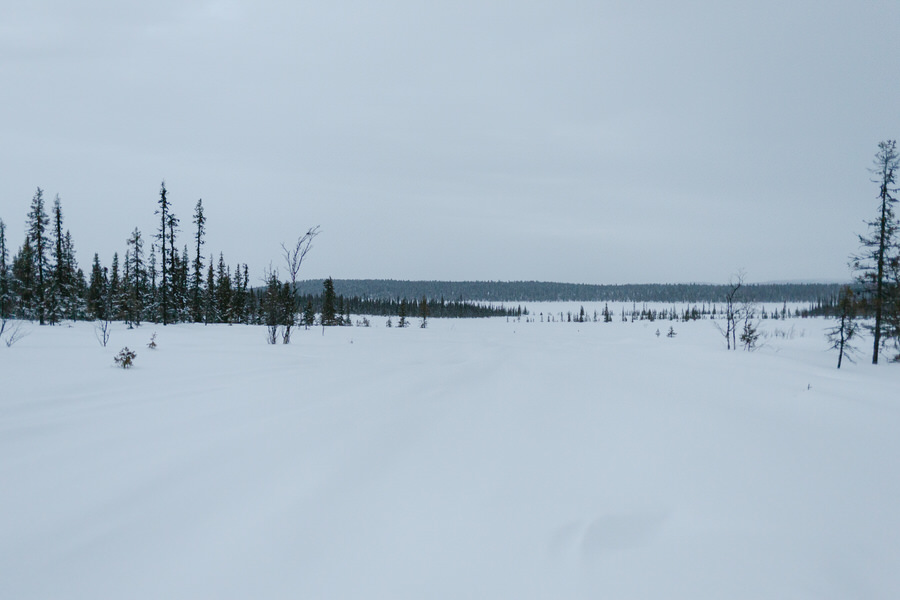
x: 101, y: 331
x: 11, y: 332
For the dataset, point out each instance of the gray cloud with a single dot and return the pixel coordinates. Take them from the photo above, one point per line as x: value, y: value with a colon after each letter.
x: 581, y: 141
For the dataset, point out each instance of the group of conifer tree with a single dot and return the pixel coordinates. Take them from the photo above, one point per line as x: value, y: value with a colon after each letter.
x: 42, y: 280
x: 163, y: 280
x: 162, y: 284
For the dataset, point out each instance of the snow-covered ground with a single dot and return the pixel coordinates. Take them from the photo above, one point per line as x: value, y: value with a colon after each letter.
x: 472, y: 459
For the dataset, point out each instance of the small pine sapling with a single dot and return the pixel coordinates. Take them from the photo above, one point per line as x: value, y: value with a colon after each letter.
x: 152, y: 343
x: 125, y: 358
x: 844, y: 332
x: 423, y: 312
x: 749, y: 335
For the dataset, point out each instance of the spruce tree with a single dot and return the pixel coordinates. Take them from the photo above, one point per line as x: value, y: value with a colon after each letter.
x: 401, y: 322
x: 237, y: 296
x: 841, y: 336
x: 137, y: 277
x: 197, y: 279
x: 6, y: 300
x: 182, y: 287
x: 873, y: 264
x: 309, y: 315
x: 96, y: 290
x: 210, y: 307
x: 114, y: 291
x: 165, y: 282
x: 75, y: 287
x: 57, y: 285
x: 38, y: 223
x: 223, y: 290
x: 328, y: 303
x: 423, y: 312
x: 245, y: 296
x: 271, y: 306
x: 175, y: 297
x: 23, y: 281
x: 125, y: 291
x: 151, y: 305
x: 286, y: 313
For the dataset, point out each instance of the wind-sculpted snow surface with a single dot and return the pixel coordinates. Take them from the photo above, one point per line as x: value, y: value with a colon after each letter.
x: 472, y: 459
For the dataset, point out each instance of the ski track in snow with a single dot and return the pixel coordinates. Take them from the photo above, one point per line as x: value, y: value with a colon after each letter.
x: 474, y: 458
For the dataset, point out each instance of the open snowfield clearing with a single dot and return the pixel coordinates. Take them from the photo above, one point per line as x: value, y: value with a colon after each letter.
x: 471, y: 459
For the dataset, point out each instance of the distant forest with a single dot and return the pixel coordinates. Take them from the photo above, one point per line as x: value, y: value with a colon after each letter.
x: 542, y: 291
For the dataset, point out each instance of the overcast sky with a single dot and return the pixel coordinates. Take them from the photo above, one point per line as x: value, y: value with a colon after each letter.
x: 580, y: 141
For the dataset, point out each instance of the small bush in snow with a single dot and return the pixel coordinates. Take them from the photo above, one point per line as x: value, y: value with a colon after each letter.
x: 125, y: 358
x: 101, y: 330
x: 152, y: 344
x: 749, y: 335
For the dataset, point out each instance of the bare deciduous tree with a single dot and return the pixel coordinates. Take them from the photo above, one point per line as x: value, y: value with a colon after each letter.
x: 293, y: 258
x: 101, y: 331
x: 732, y: 311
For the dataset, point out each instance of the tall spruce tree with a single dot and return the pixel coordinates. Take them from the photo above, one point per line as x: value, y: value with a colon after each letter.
x: 329, y: 310
x: 137, y: 277
x: 96, y: 290
x: 6, y: 300
x: 182, y: 287
x: 271, y: 306
x: 165, y: 281
x: 58, y: 286
x: 22, y: 281
x: 223, y: 290
x: 74, y: 285
x: 238, y: 293
x: 197, y: 279
x: 38, y: 223
x: 63, y: 284
x: 151, y: 306
x: 114, y: 292
x: 245, y: 294
x: 878, y: 247
x: 175, y: 298
x: 210, y: 307
x: 125, y: 291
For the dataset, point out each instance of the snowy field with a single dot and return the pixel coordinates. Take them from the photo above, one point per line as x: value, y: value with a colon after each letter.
x: 471, y: 459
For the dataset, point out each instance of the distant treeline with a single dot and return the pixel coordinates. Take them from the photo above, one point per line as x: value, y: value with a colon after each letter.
x: 541, y: 291
x: 393, y: 307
